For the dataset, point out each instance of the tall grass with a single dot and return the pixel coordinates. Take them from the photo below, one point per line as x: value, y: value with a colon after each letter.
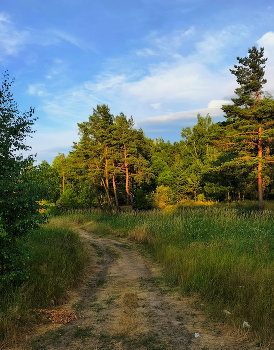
x: 225, y: 255
x: 55, y: 265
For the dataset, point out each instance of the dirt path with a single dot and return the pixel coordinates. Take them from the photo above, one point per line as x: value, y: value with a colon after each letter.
x: 122, y: 306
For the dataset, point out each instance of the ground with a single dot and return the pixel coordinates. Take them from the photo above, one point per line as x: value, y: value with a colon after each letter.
x: 124, y: 304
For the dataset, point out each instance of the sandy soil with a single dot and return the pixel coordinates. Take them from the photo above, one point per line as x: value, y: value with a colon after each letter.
x: 124, y: 305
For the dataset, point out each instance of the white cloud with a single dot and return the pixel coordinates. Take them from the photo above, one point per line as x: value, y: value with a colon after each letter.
x: 106, y: 81
x: 173, y: 41
x: 11, y: 39
x: 267, y: 41
x: 166, y: 45
x: 213, y: 112
x: 146, y: 52
x: 214, y: 44
x: 70, y: 106
x: 183, y: 80
x: 37, y: 89
x: 156, y: 105
x: 48, y: 142
x: 4, y: 18
x: 218, y: 103
x: 58, y: 68
x: 59, y: 35
x: 176, y: 79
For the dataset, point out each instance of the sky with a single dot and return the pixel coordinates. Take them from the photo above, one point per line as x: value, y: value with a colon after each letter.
x: 160, y: 61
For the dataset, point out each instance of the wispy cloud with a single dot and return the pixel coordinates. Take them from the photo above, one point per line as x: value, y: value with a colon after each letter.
x: 58, y: 68
x: 168, y: 86
x: 214, y: 45
x: 11, y: 39
x: 165, y: 45
x: 70, y: 106
x: 146, y: 52
x: 105, y: 82
x: 58, y: 36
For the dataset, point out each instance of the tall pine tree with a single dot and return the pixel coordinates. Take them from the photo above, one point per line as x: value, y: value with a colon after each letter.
x: 250, y: 119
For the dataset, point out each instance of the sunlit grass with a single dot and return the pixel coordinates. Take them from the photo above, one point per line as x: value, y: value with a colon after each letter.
x: 223, y: 254
x: 56, y: 262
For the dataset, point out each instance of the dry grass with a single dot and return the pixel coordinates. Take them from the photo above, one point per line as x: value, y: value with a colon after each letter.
x: 128, y: 319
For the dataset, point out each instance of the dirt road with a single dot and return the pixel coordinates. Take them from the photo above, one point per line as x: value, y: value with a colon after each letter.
x: 124, y: 306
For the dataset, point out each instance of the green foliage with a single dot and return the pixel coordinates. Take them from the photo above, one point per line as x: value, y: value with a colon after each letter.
x: 249, y: 128
x: 142, y: 200
x: 68, y: 199
x: 45, y: 179
x: 18, y: 197
x: 60, y: 165
x: 111, y: 159
x: 162, y: 197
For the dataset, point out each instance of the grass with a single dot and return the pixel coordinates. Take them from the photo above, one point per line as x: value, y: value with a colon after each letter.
x: 55, y: 265
x: 83, y: 332
x: 225, y: 254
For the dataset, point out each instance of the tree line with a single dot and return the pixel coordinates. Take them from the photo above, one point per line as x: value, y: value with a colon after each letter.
x: 115, y: 164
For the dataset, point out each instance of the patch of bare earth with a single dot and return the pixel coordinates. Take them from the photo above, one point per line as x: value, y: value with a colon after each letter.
x: 123, y: 307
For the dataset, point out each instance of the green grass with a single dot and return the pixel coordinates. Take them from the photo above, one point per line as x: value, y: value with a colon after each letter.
x: 225, y: 254
x: 55, y: 265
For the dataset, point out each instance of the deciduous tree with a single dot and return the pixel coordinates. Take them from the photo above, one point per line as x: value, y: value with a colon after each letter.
x: 18, y: 206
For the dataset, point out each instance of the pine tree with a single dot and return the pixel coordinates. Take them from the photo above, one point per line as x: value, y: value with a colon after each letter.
x: 95, y: 147
x: 250, y: 119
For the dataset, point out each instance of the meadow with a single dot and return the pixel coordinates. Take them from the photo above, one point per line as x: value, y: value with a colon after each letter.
x: 55, y: 265
x: 223, y: 255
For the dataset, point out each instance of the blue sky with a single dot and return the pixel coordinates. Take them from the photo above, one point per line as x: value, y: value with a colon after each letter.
x: 159, y: 61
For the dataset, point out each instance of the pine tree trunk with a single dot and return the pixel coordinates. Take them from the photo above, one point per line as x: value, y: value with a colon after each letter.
x: 107, y: 193
x: 127, y: 177
x: 115, y: 192
x: 260, y: 166
x: 106, y: 181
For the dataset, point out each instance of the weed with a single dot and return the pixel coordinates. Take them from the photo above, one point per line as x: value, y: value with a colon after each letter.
x: 111, y: 299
